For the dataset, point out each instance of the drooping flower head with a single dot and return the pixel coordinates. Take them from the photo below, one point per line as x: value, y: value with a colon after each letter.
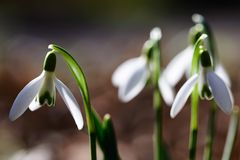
x: 181, y: 64
x: 209, y: 84
x: 41, y: 91
x: 132, y: 75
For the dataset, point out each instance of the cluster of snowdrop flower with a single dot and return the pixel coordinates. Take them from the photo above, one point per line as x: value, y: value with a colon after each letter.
x: 210, y: 85
x: 197, y: 61
x: 132, y: 75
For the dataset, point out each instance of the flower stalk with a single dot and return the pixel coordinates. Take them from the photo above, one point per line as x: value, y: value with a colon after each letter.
x: 154, y: 55
x: 193, y: 124
x: 207, y: 154
x: 82, y: 84
x: 158, y: 110
x: 194, y: 101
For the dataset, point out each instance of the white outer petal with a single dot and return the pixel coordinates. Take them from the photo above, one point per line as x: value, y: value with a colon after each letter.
x: 71, y: 103
x: 134, y: 81
x: 34, y: 105
x: 183, y: 95
x: 220, y: 91
x: 221, y: 72
x: 25, y: 97
x: 166, y: 90
x: 178, y: 66
x: 125, y: 69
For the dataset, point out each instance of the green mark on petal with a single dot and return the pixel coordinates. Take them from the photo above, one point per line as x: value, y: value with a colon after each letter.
x: 50, y: 62
x: 46, y: 98
x: 206, y: 93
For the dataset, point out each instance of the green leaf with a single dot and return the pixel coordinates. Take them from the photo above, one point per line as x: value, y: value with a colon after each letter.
x: 106, y: 137
x: 111, y: 151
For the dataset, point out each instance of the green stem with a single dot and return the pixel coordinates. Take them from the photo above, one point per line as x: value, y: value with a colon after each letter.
x: 195, y: 98
x: 193, y: 125
x: 158, y: 141
x: 82, y: 84
x: 157, y: 133
x: 231, y: 136
x: 207, y: 155
x: 92, y: 139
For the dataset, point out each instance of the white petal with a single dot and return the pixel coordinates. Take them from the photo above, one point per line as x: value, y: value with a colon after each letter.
x: 134, y: 82
x: 183, y: 95
x: 221, y: 93
x: 167, y: 91
x: 125, y: 69
x: 178, y: 66
x: 71, y: 103
x: 24, y: 98
x: 221, y: 72
x: 34, y: 105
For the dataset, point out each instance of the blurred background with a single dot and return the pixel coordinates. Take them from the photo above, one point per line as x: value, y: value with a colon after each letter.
x: 101, y: 35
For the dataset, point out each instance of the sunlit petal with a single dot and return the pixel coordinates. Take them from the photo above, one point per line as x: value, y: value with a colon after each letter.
x: 221, y: 72
x: 34, y: 105
x: 183, y: 95
x: 125, y: 70
x: 133, y: 82
x: 178, y: 66
x: 220, y: 91
x: 167, y: 91
x: 24, y: 98
x: 71, y: 103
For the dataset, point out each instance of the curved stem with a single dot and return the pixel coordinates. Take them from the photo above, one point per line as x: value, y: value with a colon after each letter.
x: 207, y: 155
x: 82, y: 84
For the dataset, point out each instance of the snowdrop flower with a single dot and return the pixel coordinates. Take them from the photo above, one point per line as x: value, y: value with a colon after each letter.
x: 41, y: 91
x: 132, y: 75
x: 210, y: 86
x: 181, y: 63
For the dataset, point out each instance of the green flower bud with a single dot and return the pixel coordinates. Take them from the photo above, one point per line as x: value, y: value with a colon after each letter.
x: 50, y: 62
